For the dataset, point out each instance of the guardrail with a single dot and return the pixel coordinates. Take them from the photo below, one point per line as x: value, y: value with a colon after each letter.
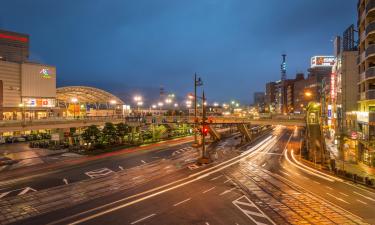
x: 82, y: 121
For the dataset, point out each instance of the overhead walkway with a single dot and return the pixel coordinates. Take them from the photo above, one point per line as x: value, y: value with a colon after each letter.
x: 54, y: 123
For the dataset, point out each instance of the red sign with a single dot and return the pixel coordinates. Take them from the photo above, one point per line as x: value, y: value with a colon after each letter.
x: 14, y: 38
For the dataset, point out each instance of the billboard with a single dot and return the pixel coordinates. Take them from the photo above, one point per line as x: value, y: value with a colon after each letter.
x: 39, y: 102
x: 322, y: 61
x: 38, y: 81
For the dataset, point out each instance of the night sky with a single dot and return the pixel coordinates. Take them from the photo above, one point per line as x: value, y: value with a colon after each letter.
x: 136, y: 46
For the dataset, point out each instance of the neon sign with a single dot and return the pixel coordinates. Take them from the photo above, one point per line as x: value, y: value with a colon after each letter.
x: 14, y: 38
x: 333, y: 90
x: 45, y: 73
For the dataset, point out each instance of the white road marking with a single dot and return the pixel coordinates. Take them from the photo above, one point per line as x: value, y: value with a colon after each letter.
x: 143, y: 161
x: 146, y: 217
x: 364, y: 196
x: 264, y: 164
x: 27, y: 189
x: 164, y: 188
x: 316, y: 182
x: 99, y: 172
x: 227, y: 191
x: 4, y: 194
x: 121, y: 168
x: 329, y: 188
x: 337, y: 198
x: 208, y: 190
x: 179, y: 203
x: 207, y: 223
x: 215, y: 178
x: 245, y: 205
x: 65, y: 181
x: 361, y: 202
x: 227, y: 181
x: 285, y: 173
x: 134, y: 178
x: 343, y: 194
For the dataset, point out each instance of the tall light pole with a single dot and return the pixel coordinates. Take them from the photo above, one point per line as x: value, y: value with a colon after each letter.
x: 204, y: 159
x: 197, y: 82
x: 74, y: 101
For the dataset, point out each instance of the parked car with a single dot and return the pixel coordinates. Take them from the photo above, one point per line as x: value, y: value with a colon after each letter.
x: 20, y: 139
x: 2, y: 140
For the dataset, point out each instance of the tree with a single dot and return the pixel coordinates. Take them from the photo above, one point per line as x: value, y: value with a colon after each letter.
x: 159, y: 131
x: 91, y: 134
x: 122, y: 129
x: 109, y: 133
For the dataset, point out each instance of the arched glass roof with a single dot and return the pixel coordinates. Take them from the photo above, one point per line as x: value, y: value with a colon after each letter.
x: 86, y: 95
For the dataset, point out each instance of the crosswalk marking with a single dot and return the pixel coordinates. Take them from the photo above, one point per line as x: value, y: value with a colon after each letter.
x: 253, y: 212
x: 99, y: 172
x: 182, y: 150
x: 20, y: 191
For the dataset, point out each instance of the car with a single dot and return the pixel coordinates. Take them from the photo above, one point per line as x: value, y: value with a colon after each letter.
x: 2, y: 140
x: 20, y: 139
x: 5, y: 161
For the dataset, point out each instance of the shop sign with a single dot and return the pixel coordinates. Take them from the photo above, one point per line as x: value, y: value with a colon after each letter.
x: 363, y: 117
x: 39, y: 102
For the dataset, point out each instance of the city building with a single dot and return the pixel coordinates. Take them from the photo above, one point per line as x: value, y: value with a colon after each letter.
x: 366, y: 86
x: 27, y: 90
x: 14, y: 47
x: 82, y: 101
x: 259, y: 101
x: 270, y: 97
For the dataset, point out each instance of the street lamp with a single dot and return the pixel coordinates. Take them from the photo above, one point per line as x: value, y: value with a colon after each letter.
x: 74, y: 101
x: 22, y: 106
x: 113, y: 103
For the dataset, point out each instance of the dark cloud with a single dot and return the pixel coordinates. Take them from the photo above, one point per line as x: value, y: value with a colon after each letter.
x: 127, y: 44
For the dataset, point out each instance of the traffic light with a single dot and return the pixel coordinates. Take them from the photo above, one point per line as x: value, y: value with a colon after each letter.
x: 205, y: 130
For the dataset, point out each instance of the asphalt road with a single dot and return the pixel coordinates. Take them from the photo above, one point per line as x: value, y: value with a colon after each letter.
x: 262, y: 184
x: 85, y: 170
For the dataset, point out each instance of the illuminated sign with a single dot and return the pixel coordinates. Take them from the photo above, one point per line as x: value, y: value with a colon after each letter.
x: 333, y: 89
x: 46, y: 73
x: 329, y: 111
x: 39, y: 102
x: 362, y: 117
x: 322, y: 61
x: 14, y: 38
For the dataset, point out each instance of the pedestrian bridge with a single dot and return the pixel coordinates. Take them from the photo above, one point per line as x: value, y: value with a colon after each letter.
x: 65, y: 123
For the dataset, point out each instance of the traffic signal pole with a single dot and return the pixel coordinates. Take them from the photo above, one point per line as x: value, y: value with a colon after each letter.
x: 195, y: 110
x: 204, y: 159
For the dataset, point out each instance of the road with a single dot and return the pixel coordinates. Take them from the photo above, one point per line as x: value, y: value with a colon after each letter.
x: 88, y: 169
x: 261, y: 184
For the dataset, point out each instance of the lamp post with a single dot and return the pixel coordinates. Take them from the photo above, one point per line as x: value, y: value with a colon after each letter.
x: 74, y: 101
x: 113, y: 103
x: 197, y: 82
x: 138, y: 102
x: 22, y: 107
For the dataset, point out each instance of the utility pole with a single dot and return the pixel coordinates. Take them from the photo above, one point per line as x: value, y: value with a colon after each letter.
x: 204, y: 159
x: 197, y: 82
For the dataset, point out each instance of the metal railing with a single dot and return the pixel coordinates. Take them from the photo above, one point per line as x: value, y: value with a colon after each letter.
x: 148, y: 119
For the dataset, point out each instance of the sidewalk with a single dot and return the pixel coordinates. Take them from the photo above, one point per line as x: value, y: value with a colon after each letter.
x: 354, y: 168
x: 25, y: 156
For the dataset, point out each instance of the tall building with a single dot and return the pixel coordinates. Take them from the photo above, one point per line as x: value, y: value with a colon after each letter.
x: 283, y: 68
x: 259, y: 101
x: 14, y: 47
x: 27, y: 90
x: 366, y: 86
x: 270, y: 97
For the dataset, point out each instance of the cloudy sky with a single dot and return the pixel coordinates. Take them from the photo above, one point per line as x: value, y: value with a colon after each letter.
x: 135, y: 46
